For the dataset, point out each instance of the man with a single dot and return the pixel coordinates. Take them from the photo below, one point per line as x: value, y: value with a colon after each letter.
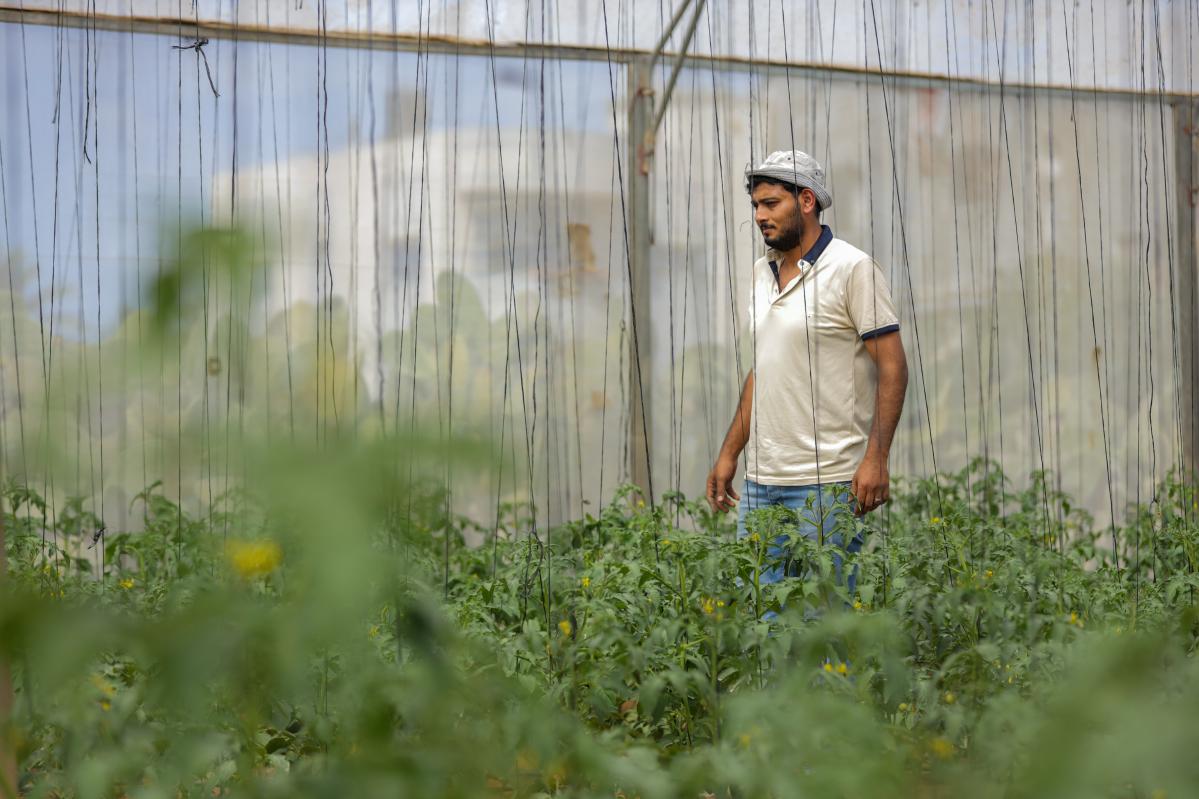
x: 819, y: 408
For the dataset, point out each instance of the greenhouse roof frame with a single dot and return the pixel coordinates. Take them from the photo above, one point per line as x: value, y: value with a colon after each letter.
x: 446, y: 45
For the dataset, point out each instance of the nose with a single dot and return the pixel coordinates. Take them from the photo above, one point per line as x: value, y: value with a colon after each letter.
x: 760, y: 216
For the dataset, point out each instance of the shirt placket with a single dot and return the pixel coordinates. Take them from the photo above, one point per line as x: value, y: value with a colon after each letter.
x: 778, y: 293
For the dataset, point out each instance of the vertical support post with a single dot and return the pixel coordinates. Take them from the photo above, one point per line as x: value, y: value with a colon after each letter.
x: 1186, y: 166
x: 641, y: 111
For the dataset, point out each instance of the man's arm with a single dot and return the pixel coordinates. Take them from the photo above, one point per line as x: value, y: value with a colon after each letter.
x: 720, y: 479
x: 872, y: 482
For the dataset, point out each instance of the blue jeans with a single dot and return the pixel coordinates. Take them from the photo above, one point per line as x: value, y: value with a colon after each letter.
x: 819, y: 519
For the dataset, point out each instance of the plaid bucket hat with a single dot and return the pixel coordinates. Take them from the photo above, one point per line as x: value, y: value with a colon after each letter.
x: 797, y: 168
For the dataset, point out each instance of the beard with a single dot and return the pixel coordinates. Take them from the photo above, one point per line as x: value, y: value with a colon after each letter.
x: 787, y: 238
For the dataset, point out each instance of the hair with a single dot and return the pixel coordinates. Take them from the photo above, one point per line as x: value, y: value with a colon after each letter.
x: 758, y: 180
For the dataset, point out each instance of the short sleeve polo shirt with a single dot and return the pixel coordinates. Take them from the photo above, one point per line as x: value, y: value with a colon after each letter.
x: 814, y: 382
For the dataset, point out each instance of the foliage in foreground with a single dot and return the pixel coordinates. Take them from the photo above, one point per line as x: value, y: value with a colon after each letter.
x: 311, y: 641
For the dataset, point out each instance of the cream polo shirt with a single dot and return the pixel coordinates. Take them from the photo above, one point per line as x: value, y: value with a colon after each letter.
x: 814, y: 382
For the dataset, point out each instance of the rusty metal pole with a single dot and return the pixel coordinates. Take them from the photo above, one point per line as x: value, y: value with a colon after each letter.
x: 644, y: 119
x: 641, y: 109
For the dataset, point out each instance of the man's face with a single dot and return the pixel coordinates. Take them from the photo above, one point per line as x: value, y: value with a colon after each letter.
x: 777, y: 214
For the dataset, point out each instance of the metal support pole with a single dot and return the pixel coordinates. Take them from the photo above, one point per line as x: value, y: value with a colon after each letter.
x: 643, y: 127
x: 1186, y: 166
x: 674, y: 72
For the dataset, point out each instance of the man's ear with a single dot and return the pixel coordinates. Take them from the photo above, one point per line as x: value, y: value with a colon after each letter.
x: 807, y: 202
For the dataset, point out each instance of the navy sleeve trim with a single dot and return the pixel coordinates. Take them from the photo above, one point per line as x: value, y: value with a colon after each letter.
x: 879, y: 331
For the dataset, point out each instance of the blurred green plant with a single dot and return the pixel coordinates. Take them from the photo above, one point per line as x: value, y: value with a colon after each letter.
x: 306, y: 639
x: 206, y: 259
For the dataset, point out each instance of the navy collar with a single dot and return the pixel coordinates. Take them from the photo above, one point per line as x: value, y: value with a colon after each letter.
x: 812, y: 255
x: 826, y: 237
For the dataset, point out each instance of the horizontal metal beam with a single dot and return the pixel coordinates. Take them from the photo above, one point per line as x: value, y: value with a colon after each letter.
x: 448, y: 45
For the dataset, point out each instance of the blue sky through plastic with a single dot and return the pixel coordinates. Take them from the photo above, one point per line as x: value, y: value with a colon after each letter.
x: 156, y: 136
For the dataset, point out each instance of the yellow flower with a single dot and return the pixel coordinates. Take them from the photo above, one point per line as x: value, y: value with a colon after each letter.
x: 586, y: 582
x: 665, y: 542
x: 828, y: 667
x: 709, y: 607
x: 857, y: 604
x: 254, y: 558
x: 720, y: 603
x: 373, y: 632
x: 754, y: 537
x: 744, y: 739
x: 935, y: 520
x: 989, y: 574
x: 127, y: 583
x: 641, y: 503
x: 842, y: 668
x: 950, y: 698
x: 105, y: 705
x: 942, y: 748
x: 564, y: 626
x: 903, y: 706
x: 106, y: 688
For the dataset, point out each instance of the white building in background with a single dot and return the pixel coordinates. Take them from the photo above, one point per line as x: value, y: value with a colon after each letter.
x: 405, y: 210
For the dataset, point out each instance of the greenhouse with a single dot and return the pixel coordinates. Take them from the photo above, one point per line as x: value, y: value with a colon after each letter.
x: 365, y: 366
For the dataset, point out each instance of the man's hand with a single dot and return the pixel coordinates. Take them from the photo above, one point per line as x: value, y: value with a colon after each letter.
x: 721, y: 494
x: 871, y: 484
